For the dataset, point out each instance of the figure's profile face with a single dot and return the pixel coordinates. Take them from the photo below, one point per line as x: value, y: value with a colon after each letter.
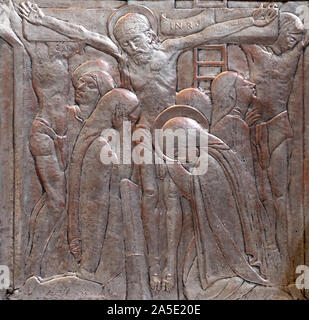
x: 86, y: 91
x: 288, y: 40
x: 245, y: 91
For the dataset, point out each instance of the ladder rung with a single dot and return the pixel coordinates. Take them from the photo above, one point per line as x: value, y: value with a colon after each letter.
x: 199, y: 78
x: 210, y: 63
x: 211, y: 47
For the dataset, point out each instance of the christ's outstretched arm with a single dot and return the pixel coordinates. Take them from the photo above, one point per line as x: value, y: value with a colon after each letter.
x: 260, y: 18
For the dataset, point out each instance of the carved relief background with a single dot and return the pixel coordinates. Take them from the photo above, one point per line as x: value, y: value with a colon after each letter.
x: 75, y: 72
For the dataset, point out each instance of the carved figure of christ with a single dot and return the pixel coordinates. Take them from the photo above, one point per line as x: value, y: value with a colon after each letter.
x: 151, y: 67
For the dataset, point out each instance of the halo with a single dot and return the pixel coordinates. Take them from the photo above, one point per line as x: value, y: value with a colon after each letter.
x: 131, y: 8
x: 175, y: 112
x: 179, y: 111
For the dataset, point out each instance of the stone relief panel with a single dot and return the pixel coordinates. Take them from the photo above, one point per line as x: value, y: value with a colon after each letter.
x: 153, y: 149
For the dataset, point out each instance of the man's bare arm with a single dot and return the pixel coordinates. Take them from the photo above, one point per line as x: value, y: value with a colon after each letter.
x: 260, y: 18
x: 16, y: 25
x: 10, y: 28
x: 33, y: 14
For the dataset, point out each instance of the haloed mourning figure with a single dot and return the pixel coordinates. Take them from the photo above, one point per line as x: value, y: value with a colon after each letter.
x: 232, y: 96
x: 149, y: 68
x: 91, y: 81
x: 94, y: 206
x: 229, y: 243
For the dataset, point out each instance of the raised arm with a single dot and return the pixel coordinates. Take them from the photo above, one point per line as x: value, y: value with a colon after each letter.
x: 10, y: 30
x: 260, y: 18
x: 17, y: 27
x: 33, y: 14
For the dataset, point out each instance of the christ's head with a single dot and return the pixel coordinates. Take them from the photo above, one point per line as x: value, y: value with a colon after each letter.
x: 136, y: 37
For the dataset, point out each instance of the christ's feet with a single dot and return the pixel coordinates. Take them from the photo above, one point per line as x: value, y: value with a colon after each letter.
x: 155, y: 282
x: 168, y: 280
x: 155, y: 274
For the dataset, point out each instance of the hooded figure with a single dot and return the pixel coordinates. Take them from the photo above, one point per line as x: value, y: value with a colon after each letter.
x: 94, y: 207
x: 226, y: 210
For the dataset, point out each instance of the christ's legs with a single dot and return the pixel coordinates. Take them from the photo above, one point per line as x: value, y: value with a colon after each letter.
x: 174, y: 223
x: 151, y: 219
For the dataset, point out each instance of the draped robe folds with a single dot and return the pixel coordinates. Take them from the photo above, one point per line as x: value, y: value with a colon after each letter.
x: 235, y: 132
x: 226, y: 215
x: 94, y: 207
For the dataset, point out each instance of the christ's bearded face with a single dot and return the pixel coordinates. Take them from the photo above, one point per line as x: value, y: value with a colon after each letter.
x: 137, y: 46
x: 135, y: 36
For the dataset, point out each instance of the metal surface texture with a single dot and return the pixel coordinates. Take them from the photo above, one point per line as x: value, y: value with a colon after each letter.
x: 94, y: 207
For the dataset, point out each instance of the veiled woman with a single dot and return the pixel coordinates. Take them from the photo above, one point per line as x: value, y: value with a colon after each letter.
x: 232, y: 96
x: 225, y: 207
x: 94, y: 208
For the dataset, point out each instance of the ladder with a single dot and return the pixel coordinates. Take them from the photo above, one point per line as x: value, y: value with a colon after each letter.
x: 197, y: 63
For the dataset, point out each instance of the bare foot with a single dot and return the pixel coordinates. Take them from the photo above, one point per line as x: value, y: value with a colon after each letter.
x: 168, y: 281
x: 155, y: 282
x: 155, y: 273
